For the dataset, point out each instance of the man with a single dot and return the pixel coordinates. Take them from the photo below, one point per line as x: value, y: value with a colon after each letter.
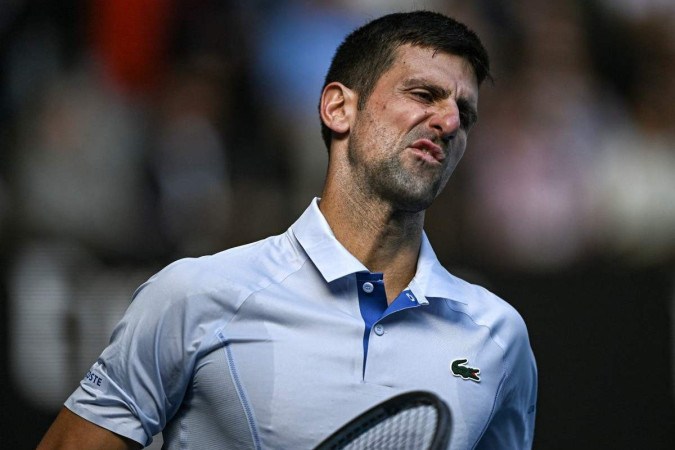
x: 278, y: 343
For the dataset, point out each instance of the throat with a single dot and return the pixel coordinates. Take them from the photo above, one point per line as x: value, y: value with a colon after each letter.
x: 383, y: 239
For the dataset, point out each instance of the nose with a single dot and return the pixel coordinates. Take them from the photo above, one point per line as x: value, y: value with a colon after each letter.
x: 445, y: 121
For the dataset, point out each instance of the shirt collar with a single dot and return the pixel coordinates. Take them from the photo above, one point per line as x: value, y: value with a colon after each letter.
x: 317, y: 239
x: 334, y: 261
x: 432, y: 280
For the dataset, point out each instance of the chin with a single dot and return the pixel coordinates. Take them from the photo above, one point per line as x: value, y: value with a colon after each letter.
x: 413, y: 203
x: 406, y: 191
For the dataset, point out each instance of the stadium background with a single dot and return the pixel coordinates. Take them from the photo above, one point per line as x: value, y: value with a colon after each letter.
x: 136, y: 132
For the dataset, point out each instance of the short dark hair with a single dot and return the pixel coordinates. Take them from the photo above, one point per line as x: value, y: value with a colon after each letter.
x: 369, y: 51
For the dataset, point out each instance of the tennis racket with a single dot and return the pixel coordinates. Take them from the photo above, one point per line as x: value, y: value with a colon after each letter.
x: 416, y: 420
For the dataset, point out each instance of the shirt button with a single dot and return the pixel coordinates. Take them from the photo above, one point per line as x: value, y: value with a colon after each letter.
x: 379, y: 329
x: 368, y: 287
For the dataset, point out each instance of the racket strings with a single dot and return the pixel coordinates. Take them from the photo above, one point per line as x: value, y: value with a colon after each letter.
x: 408, y: 429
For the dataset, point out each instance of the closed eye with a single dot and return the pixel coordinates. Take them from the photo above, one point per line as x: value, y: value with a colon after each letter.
x: 467, y: 114
x: 425, y: 96
x: 424, y: 91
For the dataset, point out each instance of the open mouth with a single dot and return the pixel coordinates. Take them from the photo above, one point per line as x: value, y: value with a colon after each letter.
x: 428, y: 151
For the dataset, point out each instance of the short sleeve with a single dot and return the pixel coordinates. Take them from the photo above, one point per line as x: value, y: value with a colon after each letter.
x: 139, y: 381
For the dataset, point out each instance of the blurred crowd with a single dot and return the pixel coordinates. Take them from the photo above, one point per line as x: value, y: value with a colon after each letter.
x: 136, y: 132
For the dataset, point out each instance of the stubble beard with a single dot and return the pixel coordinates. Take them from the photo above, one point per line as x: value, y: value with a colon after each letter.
x: 387, y: 179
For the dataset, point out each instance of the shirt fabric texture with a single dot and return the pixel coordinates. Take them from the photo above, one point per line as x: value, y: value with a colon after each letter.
x: 276, y: 344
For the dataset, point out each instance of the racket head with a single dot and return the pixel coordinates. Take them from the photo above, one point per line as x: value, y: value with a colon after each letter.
x: 416, y: 420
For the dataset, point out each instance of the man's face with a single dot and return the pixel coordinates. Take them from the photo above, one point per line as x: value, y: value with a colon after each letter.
x: 407, y: 140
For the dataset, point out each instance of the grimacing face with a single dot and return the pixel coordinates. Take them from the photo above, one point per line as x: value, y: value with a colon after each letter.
x: 407, y: 140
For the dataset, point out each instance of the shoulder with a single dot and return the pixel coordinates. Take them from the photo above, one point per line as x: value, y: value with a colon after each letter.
x: 480, y: 305
x: 186, y: 302
x: 235, y: 272
x: 207, y: 292
x: 485, y: 308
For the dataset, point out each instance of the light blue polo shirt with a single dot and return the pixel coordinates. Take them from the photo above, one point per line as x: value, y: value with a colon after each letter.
x: 275, y: 344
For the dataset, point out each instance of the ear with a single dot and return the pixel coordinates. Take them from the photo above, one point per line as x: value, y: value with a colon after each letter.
x: 338, y: 104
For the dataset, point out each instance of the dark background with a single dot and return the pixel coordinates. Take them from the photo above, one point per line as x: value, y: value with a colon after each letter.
x: 137, y: 132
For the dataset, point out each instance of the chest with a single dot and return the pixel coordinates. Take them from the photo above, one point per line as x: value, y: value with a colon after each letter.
x: 303, y: 365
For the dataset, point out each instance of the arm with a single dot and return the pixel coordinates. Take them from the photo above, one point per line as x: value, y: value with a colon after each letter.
x: 138, y: 382
x: 511, y: 428
x: 512, y: 425
x: 70, y: 431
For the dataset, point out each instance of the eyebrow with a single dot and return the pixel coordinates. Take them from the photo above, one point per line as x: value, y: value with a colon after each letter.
x: 433, y: 89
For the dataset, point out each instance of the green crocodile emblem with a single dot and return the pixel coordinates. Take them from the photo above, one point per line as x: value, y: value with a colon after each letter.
x: 467, y: 373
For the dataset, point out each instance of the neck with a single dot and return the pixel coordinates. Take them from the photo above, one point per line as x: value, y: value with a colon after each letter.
x: 383, y: 238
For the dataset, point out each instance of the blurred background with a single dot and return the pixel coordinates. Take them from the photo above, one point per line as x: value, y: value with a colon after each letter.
x: 136, y: 132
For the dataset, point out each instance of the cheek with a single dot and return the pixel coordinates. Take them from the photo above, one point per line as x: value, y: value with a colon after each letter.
x: 455, y: 155
x: 461, y: 148
x: 411, y: 117
x: 384, y: 128
x: 380, y: 135
x: 399, y: 114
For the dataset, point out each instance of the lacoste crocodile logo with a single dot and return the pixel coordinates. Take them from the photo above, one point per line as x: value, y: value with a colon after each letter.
x: 467, y: 373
